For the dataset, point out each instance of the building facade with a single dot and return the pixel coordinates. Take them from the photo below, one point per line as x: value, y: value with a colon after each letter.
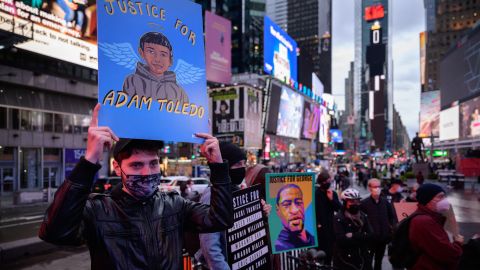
x: 373, y: 75
x: 447, y: 21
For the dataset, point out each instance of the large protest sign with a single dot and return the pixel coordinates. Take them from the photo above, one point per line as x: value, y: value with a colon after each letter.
x: 404, y: 209
x: 292, y: 221
x: 151, y: 77
x: 247, y: 239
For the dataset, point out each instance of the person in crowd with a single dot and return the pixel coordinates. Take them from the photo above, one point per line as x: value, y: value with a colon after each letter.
x: 381, y: 216
x: 420, y: 178
x: 361, y: 176
x: 352, y: 234
x: 427, y: 235
x: 120, y: 228
x: 326, y: 204
x: 471, y: 254
x: 187, y: 192
x: 412, y: 197
x: 213, y: 246
x: 394, y: 193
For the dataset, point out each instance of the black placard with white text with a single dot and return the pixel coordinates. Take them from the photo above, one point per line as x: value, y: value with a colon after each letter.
x: 247, y: 240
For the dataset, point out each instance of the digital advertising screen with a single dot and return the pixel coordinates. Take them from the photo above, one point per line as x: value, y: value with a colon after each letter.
x: 227, y: 114
x: 218, y: 48
x: 429, y: 113
x: 336, y: 135
x: 290, y: 113
x: 449, y: 124
x: 470, y: 115
x: 311, y: 120
x: 317, y: 85
x: 279, y: 52
x: 374, y: 12
x: 323, y: 134
x: 65, y: 30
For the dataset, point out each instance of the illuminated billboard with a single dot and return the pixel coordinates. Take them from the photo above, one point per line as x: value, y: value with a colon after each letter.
x: 423, y: 46
x: 218, y: 48
x: 323, y: 135
x: 449, y: 124
x: 279, y: 52
x: 66, y: 30
x: 317, y: 85
x: 374, y: 12
x: 470, y: 115
x: 311, y: 120
x: 429, y: 113
x: 336, y: 135
x: 289, y: 122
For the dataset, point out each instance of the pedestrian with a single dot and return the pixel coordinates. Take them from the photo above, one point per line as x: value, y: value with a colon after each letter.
x: 420, y: 178
x: 471, y: 253
x: 136, y: 226
x: 213, y: 246
x: 393, y: 194
x: 361, y: 175
x: 427, y: 236
x: 326, y: 204
x: 381, y: 216
x: 352, y: 234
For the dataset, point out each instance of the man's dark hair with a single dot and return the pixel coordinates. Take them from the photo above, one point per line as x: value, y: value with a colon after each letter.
x: 137, y: 145
x: 287, y: 187
x: 156, y: 38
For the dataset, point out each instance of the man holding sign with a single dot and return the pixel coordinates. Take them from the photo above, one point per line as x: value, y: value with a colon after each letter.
x: 136, y: 226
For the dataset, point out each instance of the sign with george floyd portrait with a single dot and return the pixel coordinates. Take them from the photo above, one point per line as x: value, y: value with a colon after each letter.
x: 151, y: 81
x: 292, y: 221
x: 247, y: 239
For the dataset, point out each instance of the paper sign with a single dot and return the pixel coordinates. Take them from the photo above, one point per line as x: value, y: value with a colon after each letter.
x: 151, y: 77
x: 404, y: 209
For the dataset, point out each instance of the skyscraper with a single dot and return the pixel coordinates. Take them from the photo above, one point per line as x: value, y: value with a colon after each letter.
x: 373, y: 76
x: 310, y: 24
x: 447, y: 22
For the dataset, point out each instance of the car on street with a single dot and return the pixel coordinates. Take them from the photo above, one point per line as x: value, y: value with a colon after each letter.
x: 106, y: 184
x: 173, y: 183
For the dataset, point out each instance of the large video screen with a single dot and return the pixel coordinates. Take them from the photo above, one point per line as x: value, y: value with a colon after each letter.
x: 449, y: 124
x: 218, y: 48
x: 323, y: 134
x: 311, y: 120
x: 279, y: 52
x: 429, y: 113
x: 62, y: 29
x: 470, y: 115
x: 289, y: 121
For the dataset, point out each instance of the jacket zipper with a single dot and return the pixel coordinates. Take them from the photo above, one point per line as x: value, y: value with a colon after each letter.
x: 153, y: 238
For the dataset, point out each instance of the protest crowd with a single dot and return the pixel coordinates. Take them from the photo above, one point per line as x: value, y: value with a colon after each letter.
x: 137, y: 226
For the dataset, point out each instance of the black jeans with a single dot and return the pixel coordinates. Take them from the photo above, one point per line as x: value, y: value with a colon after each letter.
x: 377, y: 253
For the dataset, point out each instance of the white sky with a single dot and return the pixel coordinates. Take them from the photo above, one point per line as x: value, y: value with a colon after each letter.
x: 408, y: 22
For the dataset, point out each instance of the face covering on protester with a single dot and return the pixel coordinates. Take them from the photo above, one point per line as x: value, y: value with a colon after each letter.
x: 142, y: 186
x: 325, y: 185
x: 237, y: 175
x: 354, y: 209
x: 443, y: 206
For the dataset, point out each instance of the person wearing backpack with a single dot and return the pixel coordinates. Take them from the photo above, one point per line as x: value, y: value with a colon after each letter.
x: 352, y: 234
x: 428, y: 239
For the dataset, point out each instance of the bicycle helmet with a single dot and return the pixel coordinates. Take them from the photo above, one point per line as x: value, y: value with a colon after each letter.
x: 350, y: 194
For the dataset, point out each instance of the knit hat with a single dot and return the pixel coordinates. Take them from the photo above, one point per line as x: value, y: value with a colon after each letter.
x: 426, y: 192
x: 232, y: 153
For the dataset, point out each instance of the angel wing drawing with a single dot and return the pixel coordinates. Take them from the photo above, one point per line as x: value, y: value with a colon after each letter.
x: 124, y: 55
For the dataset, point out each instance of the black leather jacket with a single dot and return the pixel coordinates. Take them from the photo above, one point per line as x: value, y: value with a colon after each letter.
x: 124, y: 233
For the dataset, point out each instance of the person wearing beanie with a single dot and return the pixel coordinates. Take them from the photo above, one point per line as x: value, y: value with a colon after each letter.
x: 213, y: 246
x: 326, y: 204
x: 427, y: 235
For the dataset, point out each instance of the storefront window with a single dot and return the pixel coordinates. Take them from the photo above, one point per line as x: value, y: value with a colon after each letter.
x: 3, y: 117
x: 25, y: 120
x: 14, y: 118
x: 37, y: 121
x: 48, y: 122
x: 30, y: 164
x: 7, y: 169
x: 58, y: 123
x: 52, y: 167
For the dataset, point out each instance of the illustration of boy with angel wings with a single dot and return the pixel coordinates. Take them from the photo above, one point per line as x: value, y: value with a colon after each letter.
x: 152, y: 77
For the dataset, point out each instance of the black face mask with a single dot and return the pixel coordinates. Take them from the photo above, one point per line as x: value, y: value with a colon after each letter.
x: 325, y: 185
x: 237, y: 175
x: 354, y: 209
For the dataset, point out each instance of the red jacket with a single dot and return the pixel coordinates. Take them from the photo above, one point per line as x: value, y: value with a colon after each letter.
x: 431, y: 242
